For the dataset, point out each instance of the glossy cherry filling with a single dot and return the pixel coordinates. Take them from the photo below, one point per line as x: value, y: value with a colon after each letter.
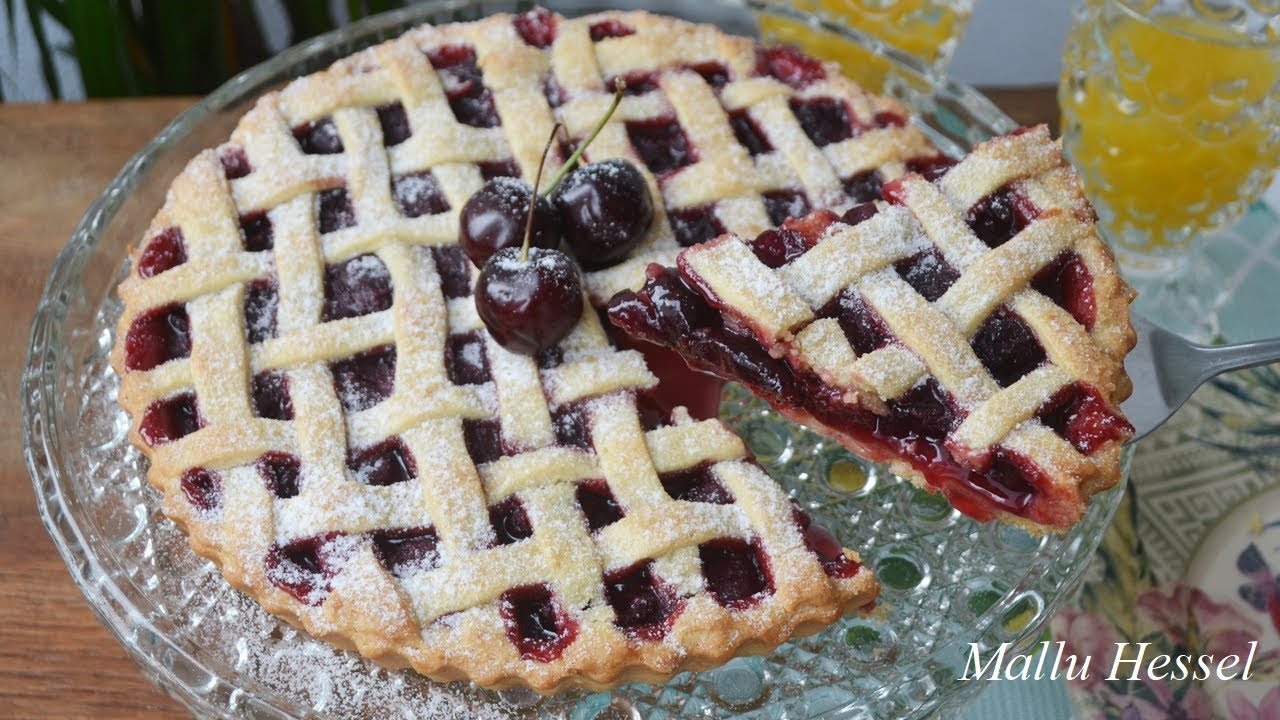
x: 303, y: 567
x: 695, y: 225
x: 365, y: 379
x: 498, y: 168
x: 261, y: 306
x: 471, y: 101
x: 928, y: 273
x: 418, y: 194
x: 454, y: 270
x: 281, y: 472
x: 170, y: 419
x: 1069, y: 284
x: 661, y: 144
x: 863, y: 327
x: 825, y: 120
x: 483, y: 438
x: 510, y: 521
x: 203, y: 488
x: 637, y: 82
x: 824, y: 546
x: 749, y: 133
x: 164, y: 252
x: 598, y: 505
x: 696, y: 484
x: 782, y: 205
x: 644, y: 607
x: 535, y: 622
x: 235, y: 163
x: 736, y: 572
x: 864, y: 186
x: 465, y: 359
x: 932, y: 167
x: 610, y: 29
x: 359, y: 286
x: 1007, y: 346
x: 394, y: 122
x: 789, y: 65
x: 996, y: 218
x: 256, y: 232
x: 386, y: 463
x: 570, y: 425
x: 715, y: 73
x: 536, y: 27
x: 776, y: 248
x: 318, y: 137
x: 334, y: 210
x: 157, y: 336
x: 406, y: 551
x: 269, y: 393
x: 1079, y: 415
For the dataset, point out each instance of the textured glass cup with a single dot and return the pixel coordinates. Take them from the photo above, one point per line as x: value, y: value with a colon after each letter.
x: 1171, y: 111
x: 928, y: 30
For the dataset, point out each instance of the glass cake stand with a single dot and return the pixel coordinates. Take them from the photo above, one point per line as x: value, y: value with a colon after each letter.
x: 948, y: 582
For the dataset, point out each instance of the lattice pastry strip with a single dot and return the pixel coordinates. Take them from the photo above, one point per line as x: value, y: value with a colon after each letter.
x: 956, y: 330
x: 331, y: 422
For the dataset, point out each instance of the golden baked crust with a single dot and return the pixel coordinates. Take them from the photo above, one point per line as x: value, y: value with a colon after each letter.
x: 253, y: 312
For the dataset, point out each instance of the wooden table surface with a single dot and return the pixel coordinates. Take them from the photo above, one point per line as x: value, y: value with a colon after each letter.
x: 56, y: 660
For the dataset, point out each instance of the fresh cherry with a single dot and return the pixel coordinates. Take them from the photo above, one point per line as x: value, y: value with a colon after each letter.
x: 529, y: 304
x: 494, y: 218
x: 606, y: 210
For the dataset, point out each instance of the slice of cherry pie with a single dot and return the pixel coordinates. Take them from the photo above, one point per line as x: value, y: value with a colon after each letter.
x: 969, y: 330
x: 332, y: 423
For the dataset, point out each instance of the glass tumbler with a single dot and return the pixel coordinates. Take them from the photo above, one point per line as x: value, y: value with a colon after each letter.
x: 1171, y: 112
x: 926, y: 29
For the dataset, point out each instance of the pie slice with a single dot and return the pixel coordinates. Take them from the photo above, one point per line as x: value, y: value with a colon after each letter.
x: 969, y: 330
x: 332, y: 424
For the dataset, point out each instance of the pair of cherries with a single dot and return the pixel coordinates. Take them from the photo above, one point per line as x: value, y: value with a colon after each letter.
x: 529, y: 293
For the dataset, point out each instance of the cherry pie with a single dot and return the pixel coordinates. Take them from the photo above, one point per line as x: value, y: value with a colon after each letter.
x: 970, y: 330
x: 330, y: 421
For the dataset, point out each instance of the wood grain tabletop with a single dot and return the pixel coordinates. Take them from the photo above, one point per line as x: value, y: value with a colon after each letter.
x: 56, y: 660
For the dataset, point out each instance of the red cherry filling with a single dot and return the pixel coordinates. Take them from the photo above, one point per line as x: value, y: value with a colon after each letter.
x: 1068, y: 283
x: 696, y: 484
x: 931, y: 168
x: 716, y: 74
x: 749, y: 133
x: 170, y: 419
x: 782, y: 205
x: 1007, y: 347
x: 318, y: 137
x: 261, y: 302
x: 510, y: 521
x: 556, y: 96
x: 394, y: 122
x: 418, y: 194
x: 334, y: 210
x: 610, y: 29
x: 454, y: 270
x: 465, y: 359
x: 863, y: 327
x: 165, y: 252
x: 859, y: 213
x: 404, y: 552
x: 158, y: 336
x: 694, y: 225
x: 925, y: 410
x: 736, y: 572
x: 359, y: 286
x: 825, y: 120
x: 366, y: 379
x: 598, y: 505
x: 1079, y: 415
x: 536, y: 27
x: 256, y: 232
x: 270, y: 395
x: 483, y: 439
x: 281, y: 472
x: 776, y: 248
x: 202, y: 487
x: 638, y: 82
x: 643, y: 605
x: 661, y: 144
x: 570, y: 424
x: 535, y: 622
x: 1010, y: 482
x: 864, y: 186
x: 996, y: 218
x: 789, y: 65
x: 928, y: 272
x: 471, y: 101
x: 303, y: 567
x: 499, y: 168
x: 387, y: 463
x: 884, y: 119
x: 824, y: 545
x: 235, y: 163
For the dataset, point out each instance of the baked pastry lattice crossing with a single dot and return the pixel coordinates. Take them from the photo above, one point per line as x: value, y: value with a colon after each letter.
x: 331, y: 423
x: 970, y: 330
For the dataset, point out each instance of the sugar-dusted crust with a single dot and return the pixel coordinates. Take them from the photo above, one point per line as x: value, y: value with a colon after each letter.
x: 442, y: 618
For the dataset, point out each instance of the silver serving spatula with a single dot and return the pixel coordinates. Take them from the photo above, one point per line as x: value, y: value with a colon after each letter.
x: 1166, y: 368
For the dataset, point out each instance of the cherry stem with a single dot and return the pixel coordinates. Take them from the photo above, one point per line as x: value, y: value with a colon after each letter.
x: 534, y: 197
x: 619, y: 85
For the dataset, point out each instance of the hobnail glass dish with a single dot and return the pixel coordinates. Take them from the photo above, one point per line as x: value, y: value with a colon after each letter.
x: 948, y: 582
